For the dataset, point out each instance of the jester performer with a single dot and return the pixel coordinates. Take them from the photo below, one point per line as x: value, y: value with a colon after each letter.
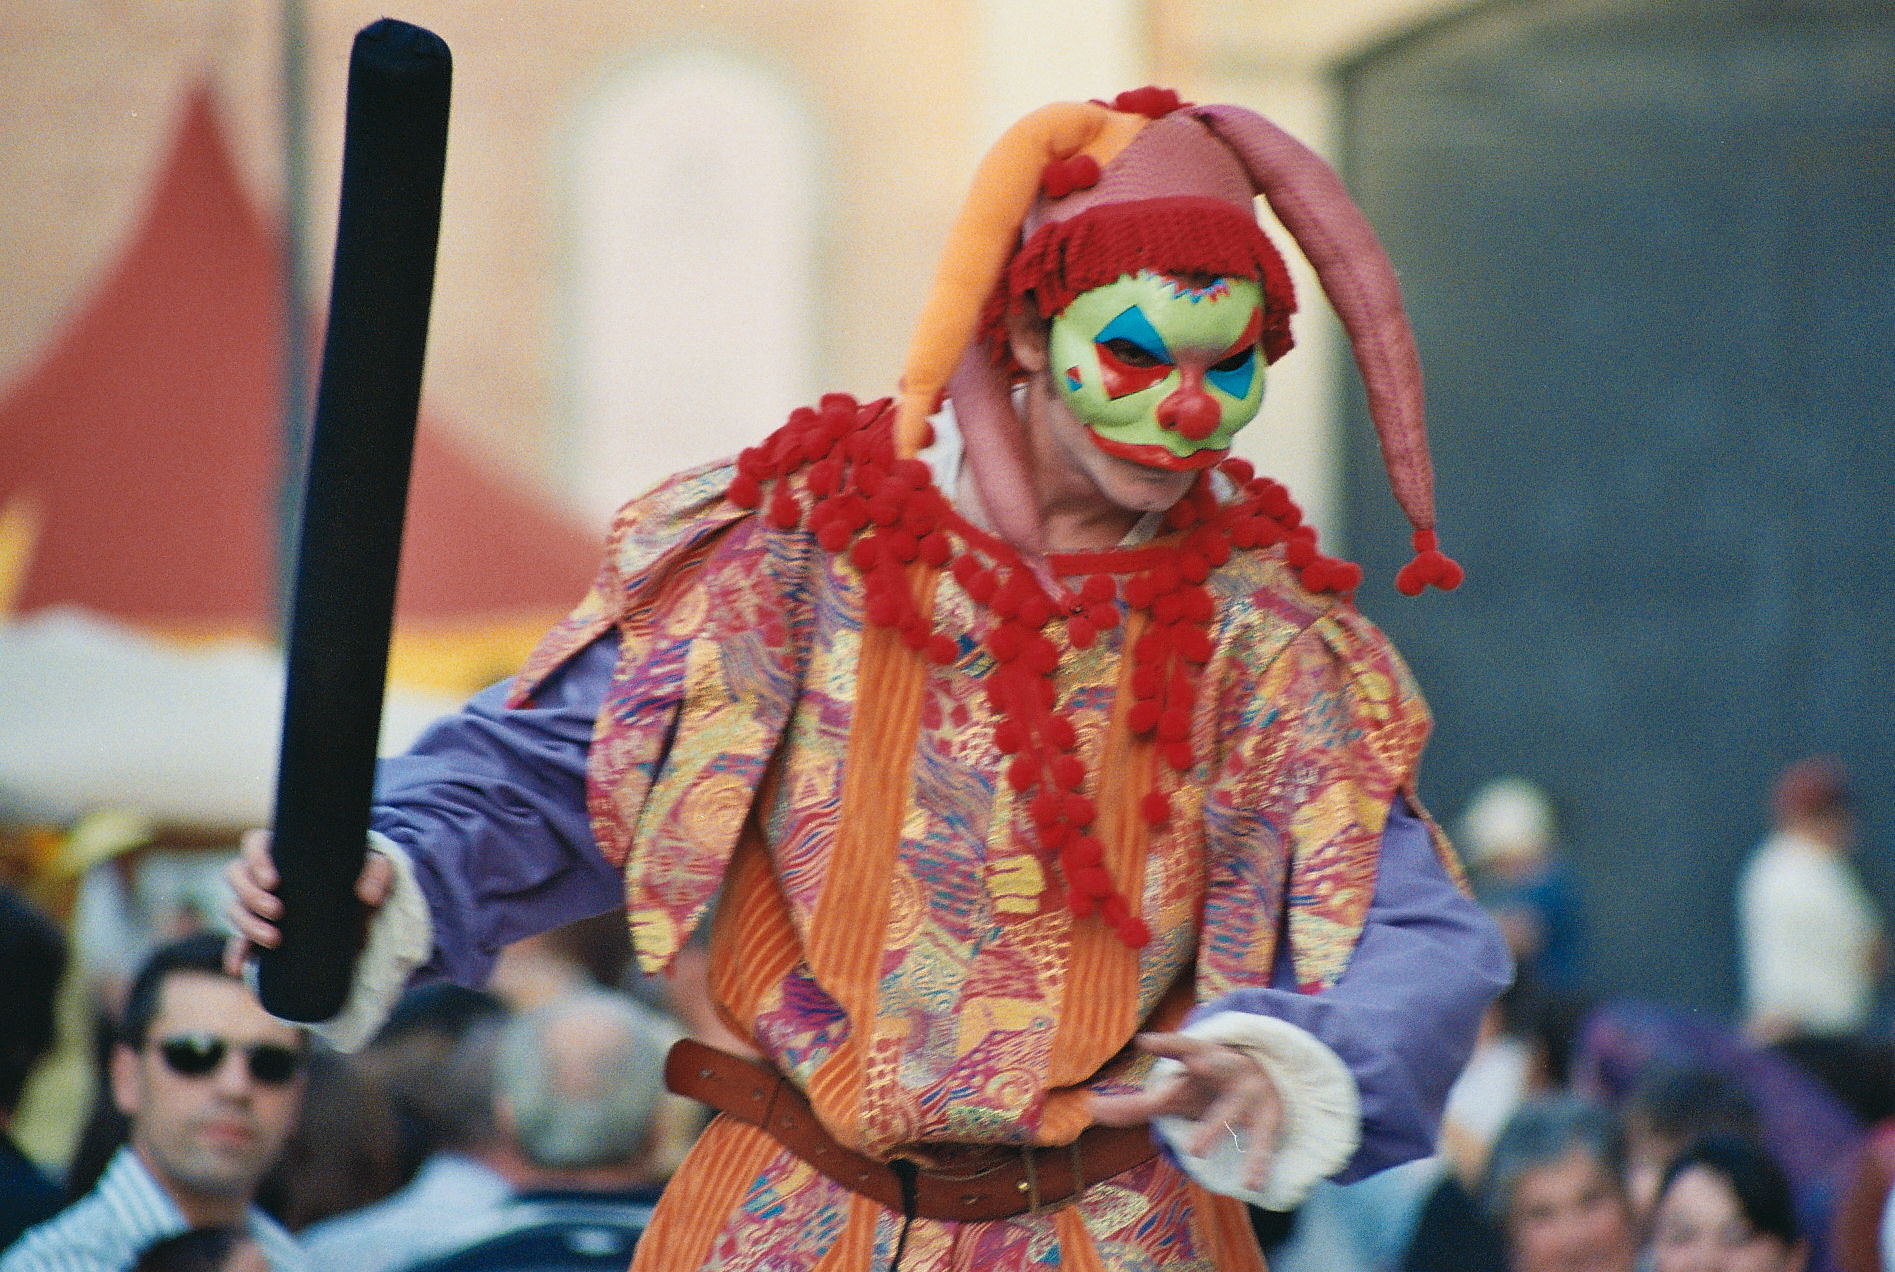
x: 1051, y: 806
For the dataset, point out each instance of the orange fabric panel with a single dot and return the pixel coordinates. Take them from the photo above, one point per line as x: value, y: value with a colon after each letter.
x: 704, y: 1194
x: 754, y: 945
x: 848, y: 934
x: 1224, y: 1229
x: 1077, y: 1253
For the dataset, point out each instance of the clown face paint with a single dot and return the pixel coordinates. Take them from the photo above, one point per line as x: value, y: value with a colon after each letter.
x: 1161, y: 372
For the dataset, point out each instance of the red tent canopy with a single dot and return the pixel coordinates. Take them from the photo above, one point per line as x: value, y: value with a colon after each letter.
x: 148, y: 441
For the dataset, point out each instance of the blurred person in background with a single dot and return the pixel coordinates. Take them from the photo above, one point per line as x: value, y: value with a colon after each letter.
x: 1555, y: 1188
x: 228, y: 1249
x: 210, y: 1085
x: 577, y: 1087
x: 439, y: 1099
x: 33, y: 954
x: 436, y: 1057
x: 1509, y: 833
x: 1725, y: 1206
x: 1672, y: 1108
x: 345, y: 1152
x: 1813, y: 945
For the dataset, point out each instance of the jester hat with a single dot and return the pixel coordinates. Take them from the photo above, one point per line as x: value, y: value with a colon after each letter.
x: 1079, y: 194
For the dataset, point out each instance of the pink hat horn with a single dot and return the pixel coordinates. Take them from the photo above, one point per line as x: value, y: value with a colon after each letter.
x: 1311, y: 201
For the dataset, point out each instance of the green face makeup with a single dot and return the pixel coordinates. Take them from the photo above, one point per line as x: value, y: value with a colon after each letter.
x: 1162, y: 372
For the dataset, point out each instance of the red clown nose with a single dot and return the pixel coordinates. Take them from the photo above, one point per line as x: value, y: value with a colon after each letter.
x: 1190, y: 411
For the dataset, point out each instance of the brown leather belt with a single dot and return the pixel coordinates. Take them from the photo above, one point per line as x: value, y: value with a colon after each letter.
x: 1011, y: 1181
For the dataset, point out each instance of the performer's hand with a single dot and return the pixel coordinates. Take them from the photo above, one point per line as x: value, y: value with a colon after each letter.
x: 256, y: 908
x: 1220, y: 1088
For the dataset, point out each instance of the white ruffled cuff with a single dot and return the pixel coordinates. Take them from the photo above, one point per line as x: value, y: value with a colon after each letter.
x: 400, y: 938
x: 1322, y: 1111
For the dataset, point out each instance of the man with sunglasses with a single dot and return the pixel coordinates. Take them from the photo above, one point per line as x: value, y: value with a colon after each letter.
x: 210, y: 1085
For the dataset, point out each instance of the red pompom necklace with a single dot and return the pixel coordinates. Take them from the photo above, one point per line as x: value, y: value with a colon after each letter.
x: 886, y: 513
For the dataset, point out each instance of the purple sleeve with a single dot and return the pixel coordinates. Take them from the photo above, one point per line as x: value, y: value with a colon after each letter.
x: 490, y: 803
x: 1404, y: 1015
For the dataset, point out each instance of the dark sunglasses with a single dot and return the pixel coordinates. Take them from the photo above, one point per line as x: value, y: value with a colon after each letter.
x: 196, y: 1055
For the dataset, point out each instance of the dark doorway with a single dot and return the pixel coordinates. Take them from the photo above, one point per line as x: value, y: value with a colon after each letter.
x: 1649, y: 248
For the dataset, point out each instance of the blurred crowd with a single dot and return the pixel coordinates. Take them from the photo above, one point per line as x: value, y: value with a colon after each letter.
x: 522, y: 1126
x: 1610, y: 1135
x: 525, y: 1126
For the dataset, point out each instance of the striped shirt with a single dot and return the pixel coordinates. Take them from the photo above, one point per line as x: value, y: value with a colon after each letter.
x: 108, y: 1228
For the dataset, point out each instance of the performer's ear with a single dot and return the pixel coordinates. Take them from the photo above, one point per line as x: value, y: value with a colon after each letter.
x: 1026, y: 336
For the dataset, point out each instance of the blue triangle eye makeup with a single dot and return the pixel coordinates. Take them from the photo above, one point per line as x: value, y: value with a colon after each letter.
x: 1133, y: 326
x: 1236, y: 380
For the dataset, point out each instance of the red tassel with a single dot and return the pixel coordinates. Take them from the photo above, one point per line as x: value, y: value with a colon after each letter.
x: 1156, y: 808
x: 942, y: 650
x: 1006, y: 641
x: 1173, y: 726
x: 785, y: 512
x: 1150, y: 101
x: 1135, y: 933
x: 1098, y: 588
x: 884, y: 610
x: 1061, y: 177
x: 744, y: 491
x: 1084, y: 851
x: 1060, y: 732
x: 1068, y: 771
x: 1022, y: 772
x: 1081, y: 632
x: 1194, y: 645
x: 1302, y: 550
x: 1430, y: 566
x: 1179, y: 756
x: 1040, y: 656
